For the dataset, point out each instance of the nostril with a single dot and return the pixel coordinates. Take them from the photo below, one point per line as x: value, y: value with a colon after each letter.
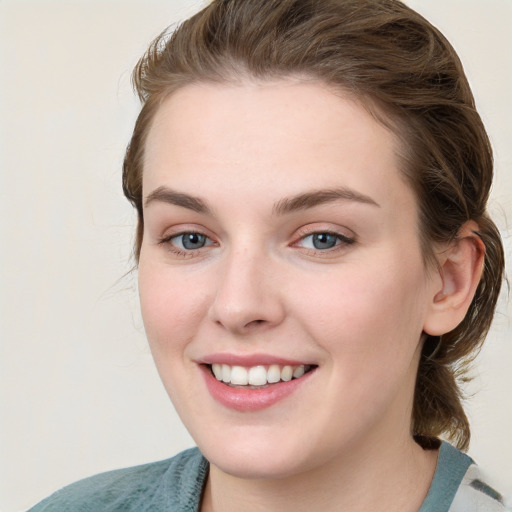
x: 256, y: 322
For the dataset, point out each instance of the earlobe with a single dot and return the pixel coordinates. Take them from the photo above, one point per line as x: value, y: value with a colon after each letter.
x: 460, y: 270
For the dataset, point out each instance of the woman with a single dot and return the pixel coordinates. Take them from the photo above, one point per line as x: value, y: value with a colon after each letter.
x: 316, y: 264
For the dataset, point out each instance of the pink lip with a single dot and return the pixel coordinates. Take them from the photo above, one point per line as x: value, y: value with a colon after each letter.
x: 248, y: 400
x: 248, y: 360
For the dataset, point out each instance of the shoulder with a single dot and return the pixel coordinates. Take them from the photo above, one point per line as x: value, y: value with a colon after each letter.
x: 475, y: 494
x: 459, y: 486
x: 172, y: 484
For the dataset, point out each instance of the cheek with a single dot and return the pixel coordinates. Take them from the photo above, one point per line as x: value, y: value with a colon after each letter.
x: 172, y: 306
x: 368, y: 311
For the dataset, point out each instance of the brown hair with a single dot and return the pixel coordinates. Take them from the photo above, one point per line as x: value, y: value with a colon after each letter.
x: 406, y: 72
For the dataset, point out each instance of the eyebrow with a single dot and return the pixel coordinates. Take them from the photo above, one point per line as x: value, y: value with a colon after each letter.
x: 169, y: 196
x: 284, y: 206
x: 319, y: 197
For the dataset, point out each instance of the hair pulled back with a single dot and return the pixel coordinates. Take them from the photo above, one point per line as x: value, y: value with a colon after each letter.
x: 409, y: 76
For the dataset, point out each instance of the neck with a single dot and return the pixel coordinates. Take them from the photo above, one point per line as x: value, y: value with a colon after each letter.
x: 393, y: 477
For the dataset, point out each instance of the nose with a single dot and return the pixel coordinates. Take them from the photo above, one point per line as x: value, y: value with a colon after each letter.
x: 247, y: 297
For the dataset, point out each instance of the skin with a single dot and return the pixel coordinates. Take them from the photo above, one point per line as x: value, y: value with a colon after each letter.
x: 357, y: 310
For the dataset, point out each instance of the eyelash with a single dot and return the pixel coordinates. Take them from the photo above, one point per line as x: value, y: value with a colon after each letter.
x: 342, y: 241
x: 183, y: 252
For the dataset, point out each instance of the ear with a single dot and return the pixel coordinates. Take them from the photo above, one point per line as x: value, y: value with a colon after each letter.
x: 460, y: 269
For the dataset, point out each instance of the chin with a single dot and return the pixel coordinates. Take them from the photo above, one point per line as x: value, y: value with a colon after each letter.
x: 266, y: 459
x: 255, y: 467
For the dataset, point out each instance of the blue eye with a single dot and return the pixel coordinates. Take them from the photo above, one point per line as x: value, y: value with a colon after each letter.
x: 187, y: 242
x: 323, y: 241
x: 191, y: 241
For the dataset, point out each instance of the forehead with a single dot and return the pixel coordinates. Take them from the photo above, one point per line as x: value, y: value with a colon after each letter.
x: 297, y: 134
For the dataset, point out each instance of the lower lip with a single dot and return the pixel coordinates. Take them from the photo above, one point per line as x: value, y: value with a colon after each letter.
x: 248, y: 400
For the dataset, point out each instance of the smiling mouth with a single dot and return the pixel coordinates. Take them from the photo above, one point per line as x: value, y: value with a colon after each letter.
x: 258, y: 377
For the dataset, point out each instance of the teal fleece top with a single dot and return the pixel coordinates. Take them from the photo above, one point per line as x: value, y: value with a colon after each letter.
x: 176, y: 485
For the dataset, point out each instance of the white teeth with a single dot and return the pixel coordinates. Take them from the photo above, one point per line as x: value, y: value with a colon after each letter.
x: 257, y: 375
x: 286, y: 373
x: 226, y: 373
x: 273, y: 374
x: 299, y: 371
x: 239, y: 376
x: 217, y: 371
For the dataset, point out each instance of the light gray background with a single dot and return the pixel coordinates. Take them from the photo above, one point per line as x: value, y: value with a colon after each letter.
x: 78, y: 390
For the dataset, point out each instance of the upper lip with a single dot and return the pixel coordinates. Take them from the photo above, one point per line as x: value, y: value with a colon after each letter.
x: 249, y: 360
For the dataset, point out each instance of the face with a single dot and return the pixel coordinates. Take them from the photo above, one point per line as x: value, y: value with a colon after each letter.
x: 281, y: 254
